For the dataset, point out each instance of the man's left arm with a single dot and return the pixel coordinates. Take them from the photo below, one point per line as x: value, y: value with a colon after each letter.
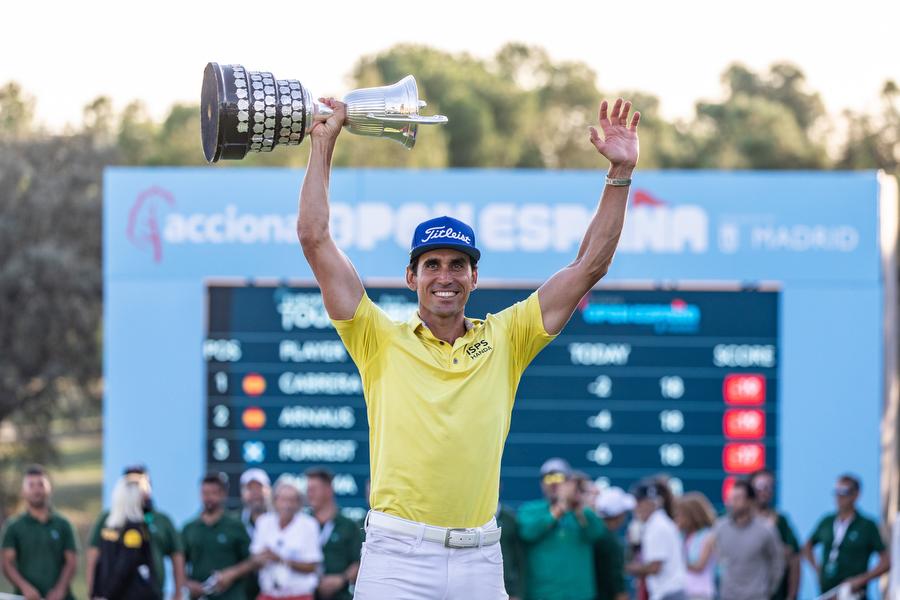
x: 560, y: 294
x: 860, y: 582
x: 70, y: 563
x: 884, y: 561
x: 61, y: 588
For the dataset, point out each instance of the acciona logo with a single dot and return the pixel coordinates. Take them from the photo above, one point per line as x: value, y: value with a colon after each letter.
x: 229, y: 227
x: 653, y: 226
x: 143, y: 229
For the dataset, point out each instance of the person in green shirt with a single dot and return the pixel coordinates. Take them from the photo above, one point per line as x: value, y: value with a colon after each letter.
x: 559, y: 533
x: 164, y: 538
x: 613, y: 506
x: 340, y: 538
x: 216, y: 546
x: 848, y: 540
x: 39, y: 553
x: 763, y: 482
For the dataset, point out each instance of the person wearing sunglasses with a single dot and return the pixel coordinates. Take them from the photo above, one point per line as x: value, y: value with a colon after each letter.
x: 763, y: 483
x: 848, y: 539
x: 558, y: 533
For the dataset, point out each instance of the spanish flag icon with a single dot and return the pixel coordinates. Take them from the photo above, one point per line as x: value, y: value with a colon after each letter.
x: 254, y: 384
x: 254, y: 418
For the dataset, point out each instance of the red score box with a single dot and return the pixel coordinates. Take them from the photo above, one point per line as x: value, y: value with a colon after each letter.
x: 744, y: 389
x: 744, y: 424
x: 743, y: 458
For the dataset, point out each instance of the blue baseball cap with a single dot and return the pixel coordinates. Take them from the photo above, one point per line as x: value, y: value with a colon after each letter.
x: 444, y: 232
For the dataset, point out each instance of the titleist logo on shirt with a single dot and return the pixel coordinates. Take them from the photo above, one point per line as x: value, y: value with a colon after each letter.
x: 434, y: 233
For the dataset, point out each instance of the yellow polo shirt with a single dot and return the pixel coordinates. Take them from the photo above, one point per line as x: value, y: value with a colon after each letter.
x: 439, y: 413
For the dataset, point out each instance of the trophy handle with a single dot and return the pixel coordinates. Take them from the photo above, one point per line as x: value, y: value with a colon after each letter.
x: 419, y: 119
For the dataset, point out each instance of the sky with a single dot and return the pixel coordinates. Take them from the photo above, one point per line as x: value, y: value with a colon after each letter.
x: 67, y: 53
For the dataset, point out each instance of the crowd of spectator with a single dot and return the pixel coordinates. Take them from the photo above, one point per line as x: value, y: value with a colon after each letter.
x: 577, y: 542
x: 283, y: 544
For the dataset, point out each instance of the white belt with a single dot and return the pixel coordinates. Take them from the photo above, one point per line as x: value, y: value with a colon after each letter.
x: 450, y: 537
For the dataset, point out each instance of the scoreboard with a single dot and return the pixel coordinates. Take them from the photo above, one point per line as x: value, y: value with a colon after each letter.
x: 642, y: 381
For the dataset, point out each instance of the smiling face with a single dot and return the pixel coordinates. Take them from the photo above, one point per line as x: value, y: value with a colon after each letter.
x: 443, y: 280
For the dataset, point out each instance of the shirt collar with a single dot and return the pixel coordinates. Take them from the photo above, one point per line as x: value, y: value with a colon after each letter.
x: 30, y: 516
x: 415, y: 322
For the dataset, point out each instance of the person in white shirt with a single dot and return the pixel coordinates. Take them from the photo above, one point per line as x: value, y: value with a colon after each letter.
x: 661, y: 557
x: 286, y: 541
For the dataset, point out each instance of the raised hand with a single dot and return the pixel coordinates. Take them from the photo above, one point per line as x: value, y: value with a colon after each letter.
x: 619, y: 143
x: 327, y: 127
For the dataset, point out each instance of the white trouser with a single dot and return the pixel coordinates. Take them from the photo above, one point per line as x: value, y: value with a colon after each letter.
x: 396, y: 566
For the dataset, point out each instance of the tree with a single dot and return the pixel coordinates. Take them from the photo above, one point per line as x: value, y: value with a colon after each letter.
x: 16, y: 111
x: 873, y: 141
x: 764, y: 122
x: 50, y: 283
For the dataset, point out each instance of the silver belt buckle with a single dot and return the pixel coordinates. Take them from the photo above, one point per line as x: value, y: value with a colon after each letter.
x: 464, y: 538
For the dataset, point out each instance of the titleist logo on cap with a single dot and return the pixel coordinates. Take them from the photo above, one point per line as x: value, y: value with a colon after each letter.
x: 434, y: 233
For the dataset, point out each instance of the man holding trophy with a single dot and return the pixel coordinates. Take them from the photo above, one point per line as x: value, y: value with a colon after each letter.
x: 439, y: 388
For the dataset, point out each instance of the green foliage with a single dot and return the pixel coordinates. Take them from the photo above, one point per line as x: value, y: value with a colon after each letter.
x: 874, y: 140
x: 16, y: 111
x: 764, y: 122
x: 50, y: 284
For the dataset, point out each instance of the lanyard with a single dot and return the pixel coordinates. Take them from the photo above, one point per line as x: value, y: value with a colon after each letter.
x: 840, y: 530
x: 325, y: 532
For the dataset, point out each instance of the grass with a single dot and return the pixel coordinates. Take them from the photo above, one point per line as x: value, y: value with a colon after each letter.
x: 77, y: 483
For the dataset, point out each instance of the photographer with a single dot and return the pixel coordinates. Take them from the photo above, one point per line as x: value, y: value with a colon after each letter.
x: 559, y: 532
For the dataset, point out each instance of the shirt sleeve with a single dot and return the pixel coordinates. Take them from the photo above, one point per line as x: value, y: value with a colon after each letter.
x: 258, y: 543
x: 816, y: 537
x: 525, y: 326
x: 535, y: 521
x: 787, y: 534
x: 877, y: 541
x: 594, y: 528
x: 69, y: 540
x: 174, y: 540
x: 10, y: 538
x: 364, y: 334
x: 311, y: 551
x: 241, y: 541
x: 94, y: 536
x: 186, y: 542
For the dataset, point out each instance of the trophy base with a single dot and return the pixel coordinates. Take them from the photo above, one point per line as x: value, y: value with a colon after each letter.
x: 218, y: 116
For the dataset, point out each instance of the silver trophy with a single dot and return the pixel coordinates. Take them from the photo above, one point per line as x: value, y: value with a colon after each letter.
x: 250, y: 111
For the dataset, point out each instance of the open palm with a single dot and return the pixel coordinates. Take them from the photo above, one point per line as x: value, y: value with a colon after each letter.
x: 619, y: 143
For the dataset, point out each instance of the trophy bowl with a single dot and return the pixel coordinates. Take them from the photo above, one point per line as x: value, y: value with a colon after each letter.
x: 251, y: 111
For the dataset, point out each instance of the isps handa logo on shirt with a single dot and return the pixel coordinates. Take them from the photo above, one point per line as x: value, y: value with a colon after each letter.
x: 478, y: 349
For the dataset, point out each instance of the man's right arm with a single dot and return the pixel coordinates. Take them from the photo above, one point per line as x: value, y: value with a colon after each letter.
x: 11, y: 570
x: 808, y: 548
x: 341, y: 286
